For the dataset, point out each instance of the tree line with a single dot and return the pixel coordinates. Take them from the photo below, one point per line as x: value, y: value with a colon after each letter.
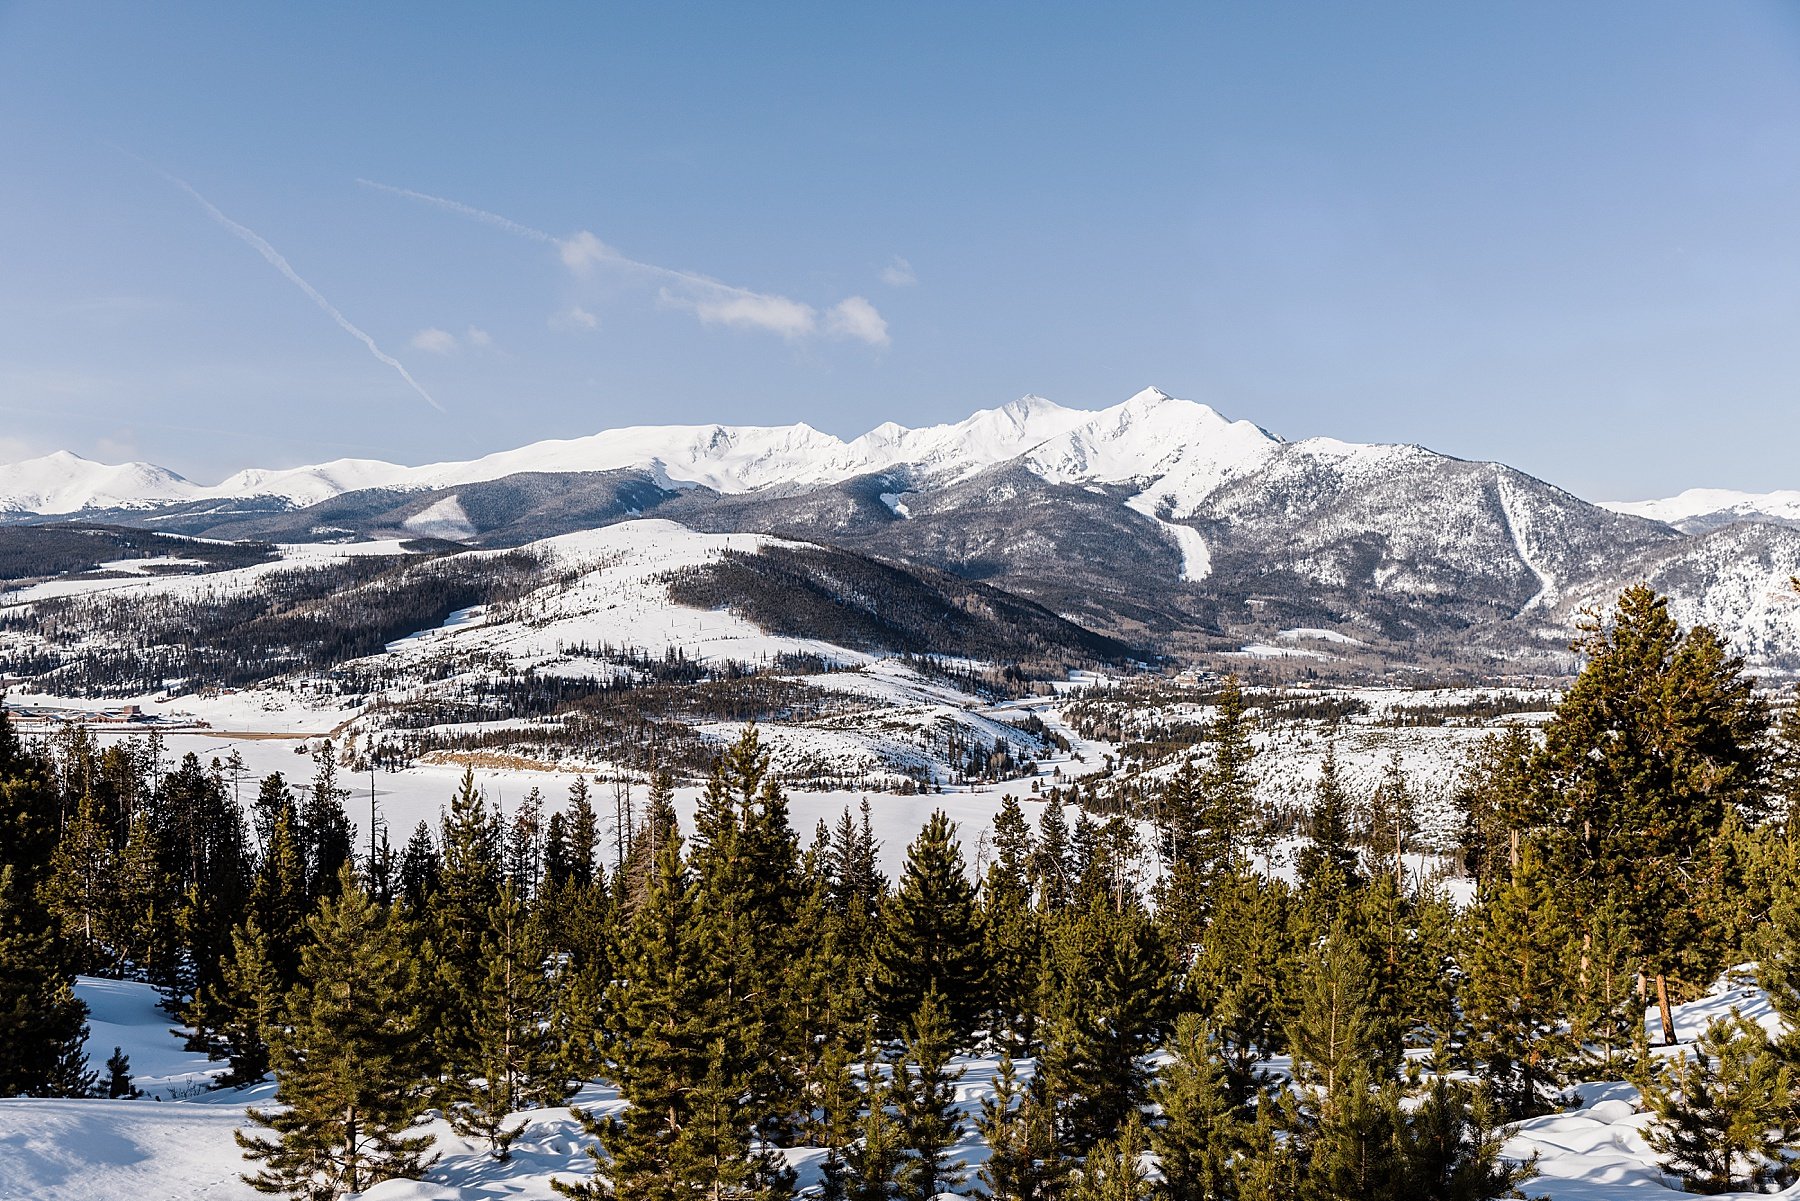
x: 746, y: 990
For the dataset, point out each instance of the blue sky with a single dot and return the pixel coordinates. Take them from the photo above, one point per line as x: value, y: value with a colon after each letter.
x: 1564, y: 236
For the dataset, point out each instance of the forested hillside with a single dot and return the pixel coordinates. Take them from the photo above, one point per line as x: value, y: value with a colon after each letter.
x: 1207, y: 1029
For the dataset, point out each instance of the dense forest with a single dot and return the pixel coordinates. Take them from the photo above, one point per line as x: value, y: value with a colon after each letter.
x: 1351, y: 1033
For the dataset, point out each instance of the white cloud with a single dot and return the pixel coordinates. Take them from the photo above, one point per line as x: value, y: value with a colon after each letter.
x: 713, y: 301
x: 854, y: 317
x: 434, y: 340
x: 581, y: 252
x: 898, y: 273
x: 737, y: 309
x: 574, y: 319
x: 479, y: 337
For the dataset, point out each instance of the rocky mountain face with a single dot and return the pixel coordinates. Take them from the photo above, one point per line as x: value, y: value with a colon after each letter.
x: 1157, y: 521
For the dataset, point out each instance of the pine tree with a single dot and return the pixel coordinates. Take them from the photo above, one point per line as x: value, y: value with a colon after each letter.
x: 926, y: 1096
x: 1018, y: 1126
x: 1228, y: 787
x: 1724, y: 1118
x: 930, y: 936
x: 1202, y: 1131
x: 1111, y: 984
x: 468, y: 887
x: 1328, y: 863
x: 347, y: 1059
x: 43, y: 1025
x: 1354, y: 1146
x: 82, y: 887
x: 1658, y: 736
x: 1052, y: 863
x: 1391, y: 822
x: 1451, y: 1146
x: 324, y: 827
x: 118, y: 1076
x: 1607, y: 1011
x: 745, y: 863
x: 679, y: 1133
x: 1239, y: 977
x: 514, y: 1063
x: 870, y: 1168
x: 1192, y: 853
x: 1516, y: 997
x: 421, y: 870
x: 250, y: 1002
x: 1114, y: 1169
x: 1333, y: 1034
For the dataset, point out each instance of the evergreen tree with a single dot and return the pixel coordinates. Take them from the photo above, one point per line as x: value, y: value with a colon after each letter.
x: 1333, y: 1034
x: 870, y: 1168
x: 1193, y: 855
x: 43, y: 1025
x: 1354, y: 1147
x: 1052, y: 863
x: 324, y: 827
x: 250, y: 1002
x: 1659, y: 736
x: 1516, y: 997
x: 1228, y: 787
x: 1114, y: 1169
x: 745, y: 863
x: 1111, y: 981
x: 1018, y: 1125
x: 1013, y: 944
x: 1502, y: 802
x: 1239, y: 977
x: 118, y: 1076
x: 1327, y: 864
x: 421, y: 870
x: 926, y: 1097
x: 1452, y: 1148
x: 468, y: 887
x: 515, y: 1063
x: 82, y: 888
x: 583, y: 833
x: 347, y: 1059
x: 1391, y: 822
x: 1607, y: 1011
x: 1724, y: 1118
x: 930, y: 936
x: 1202, y: 1132
x: 662, y: 1054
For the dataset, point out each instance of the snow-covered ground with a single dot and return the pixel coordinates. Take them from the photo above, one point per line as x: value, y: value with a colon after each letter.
x: 147, y: 1150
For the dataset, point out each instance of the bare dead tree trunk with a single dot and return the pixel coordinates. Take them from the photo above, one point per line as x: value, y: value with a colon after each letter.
x: 1665, y: 1010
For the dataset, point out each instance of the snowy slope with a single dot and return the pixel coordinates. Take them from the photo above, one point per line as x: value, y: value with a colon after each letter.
x: 96, y: 1150
x: 1177, y: 450
x: 67, y: 483
x: 1703, y: 508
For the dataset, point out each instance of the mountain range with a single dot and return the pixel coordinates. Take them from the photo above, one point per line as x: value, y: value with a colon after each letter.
x: 1157, y: 521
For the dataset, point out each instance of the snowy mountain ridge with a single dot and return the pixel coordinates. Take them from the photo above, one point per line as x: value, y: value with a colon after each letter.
x: 1149, y: 436
x: 1699, y: 509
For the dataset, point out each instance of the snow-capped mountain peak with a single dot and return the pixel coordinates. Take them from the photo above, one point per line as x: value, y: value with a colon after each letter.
x: 1179, y: 450
x: 63, y: 482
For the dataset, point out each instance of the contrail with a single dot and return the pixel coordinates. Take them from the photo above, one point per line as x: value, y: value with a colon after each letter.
x: 591, y: 245
x: 466, y: 210
x: 281, y: 264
